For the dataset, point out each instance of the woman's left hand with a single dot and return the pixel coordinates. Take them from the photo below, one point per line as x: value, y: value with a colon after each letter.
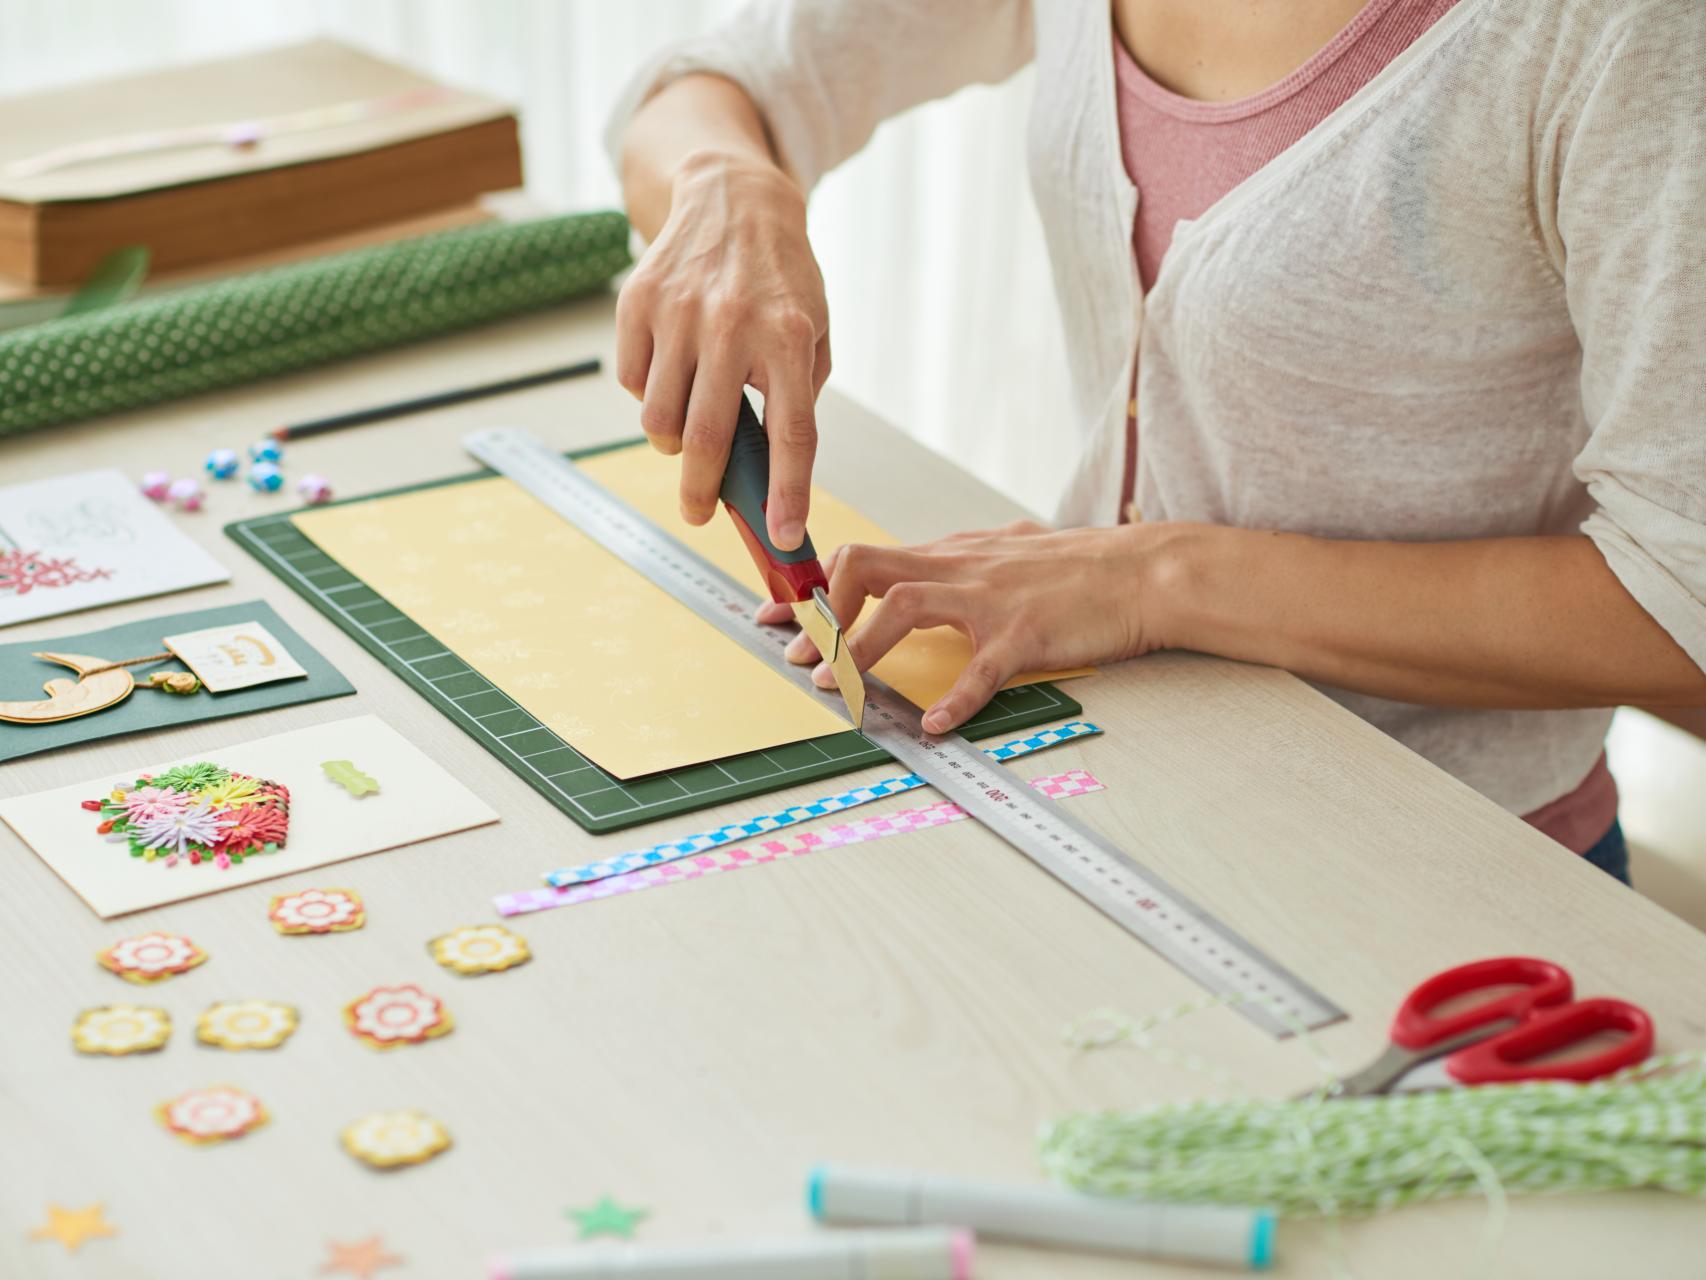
x: 1029, y: 598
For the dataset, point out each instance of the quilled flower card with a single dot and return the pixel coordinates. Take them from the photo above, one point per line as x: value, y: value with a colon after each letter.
x: 158, y: 833
x: 73, y: 542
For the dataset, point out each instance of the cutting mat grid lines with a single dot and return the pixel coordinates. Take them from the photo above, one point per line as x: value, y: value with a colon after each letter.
x: 595, y: 799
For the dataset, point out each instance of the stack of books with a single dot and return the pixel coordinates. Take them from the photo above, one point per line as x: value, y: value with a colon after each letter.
x: 223, y: 160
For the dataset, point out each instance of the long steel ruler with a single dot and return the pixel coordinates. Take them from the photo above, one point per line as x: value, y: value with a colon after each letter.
x: 1133, y: 896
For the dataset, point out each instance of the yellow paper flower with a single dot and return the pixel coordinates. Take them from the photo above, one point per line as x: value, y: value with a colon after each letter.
x: 387, y: 1139
x: 235, y: 791
x: 480, y: 948
x: 118, y: 1029
x: 248, y: 1024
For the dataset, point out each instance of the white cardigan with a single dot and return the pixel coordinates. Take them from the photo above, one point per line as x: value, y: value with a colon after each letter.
x: 1471, y: 303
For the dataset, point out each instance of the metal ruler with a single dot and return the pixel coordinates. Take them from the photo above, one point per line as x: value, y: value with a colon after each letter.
x: 1136, y: 898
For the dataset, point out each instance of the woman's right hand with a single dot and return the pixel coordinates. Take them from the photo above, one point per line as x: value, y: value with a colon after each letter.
x: 729, y: 294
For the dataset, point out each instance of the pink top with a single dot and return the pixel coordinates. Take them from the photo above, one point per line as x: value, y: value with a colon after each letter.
x: 1184, y: 155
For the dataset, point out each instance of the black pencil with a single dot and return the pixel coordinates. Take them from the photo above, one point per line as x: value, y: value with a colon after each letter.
x: 437, y: 400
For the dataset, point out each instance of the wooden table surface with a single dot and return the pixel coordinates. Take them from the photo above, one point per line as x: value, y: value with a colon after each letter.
x: 694, y: 1051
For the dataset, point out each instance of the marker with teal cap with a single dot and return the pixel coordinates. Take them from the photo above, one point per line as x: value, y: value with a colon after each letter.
x: 1044, y: 1215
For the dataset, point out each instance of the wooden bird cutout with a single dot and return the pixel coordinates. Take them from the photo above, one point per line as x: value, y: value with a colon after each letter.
x: 95, y: 689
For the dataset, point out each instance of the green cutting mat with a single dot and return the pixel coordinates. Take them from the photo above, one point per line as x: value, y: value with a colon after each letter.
x: 595, y: 799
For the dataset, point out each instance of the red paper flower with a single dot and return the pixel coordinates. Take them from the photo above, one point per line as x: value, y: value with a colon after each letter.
x: 252, y: 828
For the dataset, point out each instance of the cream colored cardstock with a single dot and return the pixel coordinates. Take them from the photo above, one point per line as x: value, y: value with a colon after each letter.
x: 235, y: 657
x: 629, y: 677
x: 417, y: 801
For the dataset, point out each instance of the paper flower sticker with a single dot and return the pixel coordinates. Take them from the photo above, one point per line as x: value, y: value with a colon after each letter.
x: 389, y: 1016
x: 387, y: 1139
x: 480, y: 948
x: 215, y: 1114
x: 151, y: 957
x: 201, y: 812
x: 317, y: 911
x: 248, y: 1024
x: 118, y: 1029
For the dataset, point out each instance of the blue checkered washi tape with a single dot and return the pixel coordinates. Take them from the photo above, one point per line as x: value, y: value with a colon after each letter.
x: 671, y: 850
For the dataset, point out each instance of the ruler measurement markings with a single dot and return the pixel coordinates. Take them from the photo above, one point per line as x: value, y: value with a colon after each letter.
x: 1132, y: 896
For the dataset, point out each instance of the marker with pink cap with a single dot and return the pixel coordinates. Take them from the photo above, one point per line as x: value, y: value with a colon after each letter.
x: 915, y: 1253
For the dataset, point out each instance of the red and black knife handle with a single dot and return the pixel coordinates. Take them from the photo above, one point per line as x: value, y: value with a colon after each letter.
x: 789, y: 576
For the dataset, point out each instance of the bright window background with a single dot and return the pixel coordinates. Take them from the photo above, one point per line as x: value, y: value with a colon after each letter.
x: 942, y: 315
x: 943, y: 319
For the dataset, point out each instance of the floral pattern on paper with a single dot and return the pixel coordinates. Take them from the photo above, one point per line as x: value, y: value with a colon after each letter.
x: 119, y: 1029
x: 390, y: 1016
x: 480, y: 948
x: 246, y: 1024
x: 196, y: 813
x: 387, y: 1139
x: 22, y: 572
x: 215, y: 1114
x: 151, y: 957
x: 317, y: 911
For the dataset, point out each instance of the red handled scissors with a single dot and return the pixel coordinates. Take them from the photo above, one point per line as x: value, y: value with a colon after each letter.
x: 1505, y: 1037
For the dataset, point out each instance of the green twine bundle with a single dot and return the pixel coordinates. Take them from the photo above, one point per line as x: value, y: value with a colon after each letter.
x: 1644, y: 1127
x: 204, y: 337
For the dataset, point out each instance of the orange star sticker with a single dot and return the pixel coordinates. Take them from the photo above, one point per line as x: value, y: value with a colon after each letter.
x: 71, y: 1227
x: 361, y: 1259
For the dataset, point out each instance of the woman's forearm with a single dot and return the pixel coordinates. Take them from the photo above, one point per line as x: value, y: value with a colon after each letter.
x: 697, y: 115
x: 1508, y: 622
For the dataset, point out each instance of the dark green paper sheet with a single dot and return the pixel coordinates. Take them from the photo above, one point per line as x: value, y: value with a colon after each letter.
x: 21, y: 678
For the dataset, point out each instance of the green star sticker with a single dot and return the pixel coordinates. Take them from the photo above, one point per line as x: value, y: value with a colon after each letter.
x: 607, y: 1218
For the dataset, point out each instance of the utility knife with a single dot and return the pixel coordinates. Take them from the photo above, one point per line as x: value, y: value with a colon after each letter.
x: 791, y: 577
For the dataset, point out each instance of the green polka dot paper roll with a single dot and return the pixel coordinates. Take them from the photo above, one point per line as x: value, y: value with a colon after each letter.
x: 205, y: 337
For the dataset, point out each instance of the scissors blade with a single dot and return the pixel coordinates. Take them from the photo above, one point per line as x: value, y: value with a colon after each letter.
x: 818, y: 621
x: 1398, y: 1064
x: 1426, y: 1078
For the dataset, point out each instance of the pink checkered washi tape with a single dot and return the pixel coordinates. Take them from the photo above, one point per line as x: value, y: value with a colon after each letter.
x: 823, y: 806
x: 1060, y: 786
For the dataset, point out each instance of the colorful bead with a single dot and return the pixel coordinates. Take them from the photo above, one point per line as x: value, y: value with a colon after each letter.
x: 155, y: 484
x: 314, y: 489
x: 186, y: 494
x: 266, y: 451
x: 222, y: 464
x: 265, y: 477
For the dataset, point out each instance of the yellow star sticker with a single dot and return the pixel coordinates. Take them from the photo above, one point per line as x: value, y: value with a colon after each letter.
x: 71, y: 1227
